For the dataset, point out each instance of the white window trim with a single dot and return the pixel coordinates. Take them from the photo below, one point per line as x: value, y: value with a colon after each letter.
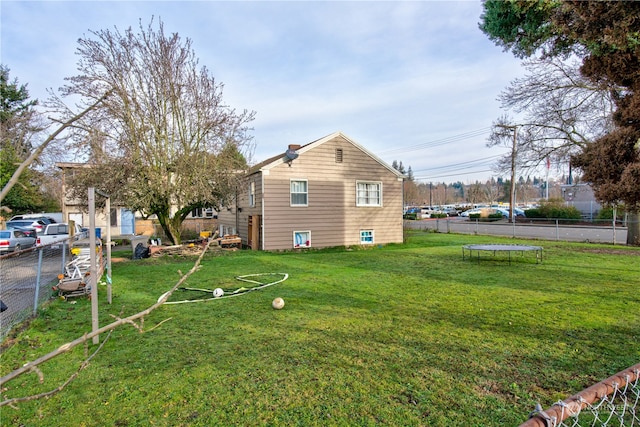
x: 379, y: 184
x: 290, y: 193
x: 306, y: 244
x: 373, y: 237
x: 252, y: 194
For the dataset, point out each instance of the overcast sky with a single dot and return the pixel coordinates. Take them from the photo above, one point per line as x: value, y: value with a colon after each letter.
x: 410, y: 81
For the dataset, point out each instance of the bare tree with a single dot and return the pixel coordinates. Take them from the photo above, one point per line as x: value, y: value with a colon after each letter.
x: 411, y: 193
x: 493, y: 191
x: 475, y: 193
x: 165, y: 142
x: 559, y: 112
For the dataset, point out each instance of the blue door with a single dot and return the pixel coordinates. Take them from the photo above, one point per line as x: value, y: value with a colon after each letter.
x: 127, y: 222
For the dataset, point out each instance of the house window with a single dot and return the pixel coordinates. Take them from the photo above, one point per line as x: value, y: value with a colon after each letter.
x: 299, y: 193
x: 252, y: 194
x: 338, y: 155
x: 204, y: 213
x: 302, y: 239
x: 366, y: 237
x: 369, y: 194
x: 113, y: 217
x: 226, y: 230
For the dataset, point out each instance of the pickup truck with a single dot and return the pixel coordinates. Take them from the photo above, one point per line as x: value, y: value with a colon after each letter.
x: 56, y: 233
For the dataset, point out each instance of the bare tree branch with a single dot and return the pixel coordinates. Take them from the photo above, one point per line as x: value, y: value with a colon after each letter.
x: 558, y: 112
x: 38, y: 151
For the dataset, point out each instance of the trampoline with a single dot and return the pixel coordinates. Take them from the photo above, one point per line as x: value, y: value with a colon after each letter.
x: 467, y: 250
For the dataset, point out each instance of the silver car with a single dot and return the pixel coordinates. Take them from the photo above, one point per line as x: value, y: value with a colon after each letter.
x: 15, y: 240
x: 36, y: 224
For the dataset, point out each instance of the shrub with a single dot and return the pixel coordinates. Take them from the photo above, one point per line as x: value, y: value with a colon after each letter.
x: 607, y: 213
x: 491, y: 217
x: 554, y: 209
x: 534, y: 213
x: 187, y: 235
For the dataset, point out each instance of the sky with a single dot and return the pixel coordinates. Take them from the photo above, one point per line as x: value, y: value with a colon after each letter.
x: 412, y: 81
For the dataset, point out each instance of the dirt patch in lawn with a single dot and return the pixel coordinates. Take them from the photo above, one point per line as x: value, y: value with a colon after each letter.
x: 610, y: 251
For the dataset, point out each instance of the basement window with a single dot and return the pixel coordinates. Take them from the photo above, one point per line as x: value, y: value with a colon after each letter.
x: 366, y: 237
x: 302, y: 239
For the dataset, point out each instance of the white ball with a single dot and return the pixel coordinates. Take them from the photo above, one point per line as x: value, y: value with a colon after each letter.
x: 218, y: 292
x: 277, y: 303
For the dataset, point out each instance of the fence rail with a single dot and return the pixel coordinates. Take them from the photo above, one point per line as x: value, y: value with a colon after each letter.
x: 613, y: 401
x: 26, y: 278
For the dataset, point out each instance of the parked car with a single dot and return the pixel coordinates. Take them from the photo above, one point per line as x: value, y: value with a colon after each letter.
x: 505, y: 212
x: 411, y: 213
x: 37, y: 224
x: 54, y: 233
x: 14, y: 240
x: 473, y: 211
x: 33, y: 217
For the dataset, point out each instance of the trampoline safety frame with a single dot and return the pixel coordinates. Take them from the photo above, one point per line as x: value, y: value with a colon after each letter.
x: 467, y: 250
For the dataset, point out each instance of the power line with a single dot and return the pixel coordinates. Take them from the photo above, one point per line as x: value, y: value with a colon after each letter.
x: 432, y: 178
x: 462, y: 165
x: 453, y: 169
x: 438, y: 142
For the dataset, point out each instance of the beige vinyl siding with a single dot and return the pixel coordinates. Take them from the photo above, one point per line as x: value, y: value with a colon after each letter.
x: 239, y: 219
x: 331, y: 215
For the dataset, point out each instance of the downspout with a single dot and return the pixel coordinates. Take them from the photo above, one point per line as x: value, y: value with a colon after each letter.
x: 261, y: 230
x: 402, y: 212
x: 237, y: 214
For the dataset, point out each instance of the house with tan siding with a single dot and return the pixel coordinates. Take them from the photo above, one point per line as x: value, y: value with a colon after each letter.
x: 329, y: 192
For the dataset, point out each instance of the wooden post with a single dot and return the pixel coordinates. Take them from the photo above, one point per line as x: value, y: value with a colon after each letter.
x: 107, y: 208
x: 95, y: 324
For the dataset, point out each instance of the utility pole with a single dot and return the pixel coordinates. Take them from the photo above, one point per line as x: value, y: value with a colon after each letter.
x: 430, y: 195
x: 512, y: 191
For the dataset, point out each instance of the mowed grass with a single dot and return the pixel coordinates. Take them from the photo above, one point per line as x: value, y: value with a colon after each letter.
x: 401, y: 335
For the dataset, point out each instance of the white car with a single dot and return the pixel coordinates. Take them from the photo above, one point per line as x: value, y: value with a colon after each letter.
x: 472, y: 212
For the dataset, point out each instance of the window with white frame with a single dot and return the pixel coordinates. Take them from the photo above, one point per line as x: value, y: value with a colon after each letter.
x: 252, y: 194
x: 302, y: 239
x: 366, y: 237
x: 204, y: 213
x: 299, y: 196
x: 368, y: 193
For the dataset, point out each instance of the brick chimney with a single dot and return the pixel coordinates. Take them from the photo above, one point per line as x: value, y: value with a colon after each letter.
x: 294, y: 147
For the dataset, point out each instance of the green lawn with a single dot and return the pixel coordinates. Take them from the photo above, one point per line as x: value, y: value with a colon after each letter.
x: 401, y: 335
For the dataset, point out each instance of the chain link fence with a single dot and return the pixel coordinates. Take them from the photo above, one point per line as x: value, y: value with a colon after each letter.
x: 612, y: 402
x: 554, y: 229
x: 26, y: 280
